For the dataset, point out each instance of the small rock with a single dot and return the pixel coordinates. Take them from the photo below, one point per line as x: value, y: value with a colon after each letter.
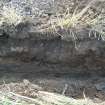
x: 36, y: 87
x: 100, y: 87
x: 26, y: 82
x: 99, y: 95
x: 97, y: 100
x: 33, y: 86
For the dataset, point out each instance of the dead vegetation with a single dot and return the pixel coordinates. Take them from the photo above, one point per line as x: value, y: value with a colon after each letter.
x: 72, y: 15
x: 26, y: 93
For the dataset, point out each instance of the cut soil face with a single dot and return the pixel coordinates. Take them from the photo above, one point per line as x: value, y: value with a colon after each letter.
x: 54, y: 64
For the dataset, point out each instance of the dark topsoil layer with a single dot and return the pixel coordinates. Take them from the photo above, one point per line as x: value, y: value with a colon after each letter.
x: 54, y: 65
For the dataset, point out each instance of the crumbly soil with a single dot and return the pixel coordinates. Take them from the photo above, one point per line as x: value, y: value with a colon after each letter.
x: 76, y: 87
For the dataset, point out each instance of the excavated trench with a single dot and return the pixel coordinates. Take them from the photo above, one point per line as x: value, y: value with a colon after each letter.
x: 55, y: 63
x: 52, y: 55
x: 70, y: 61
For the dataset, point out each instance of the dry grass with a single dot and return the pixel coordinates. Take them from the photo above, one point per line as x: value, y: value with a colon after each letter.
x: 43, y: 98
x: 71, y: 20
x: 98, y: 26
x: 77, y: 19
x: 65, y: 20
x: 25, y: 93
x: 10, y: 16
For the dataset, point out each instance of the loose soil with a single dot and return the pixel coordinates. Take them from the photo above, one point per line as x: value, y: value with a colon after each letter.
x: 76, y: 87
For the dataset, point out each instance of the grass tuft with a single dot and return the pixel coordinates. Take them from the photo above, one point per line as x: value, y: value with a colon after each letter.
x: 10, y: 16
